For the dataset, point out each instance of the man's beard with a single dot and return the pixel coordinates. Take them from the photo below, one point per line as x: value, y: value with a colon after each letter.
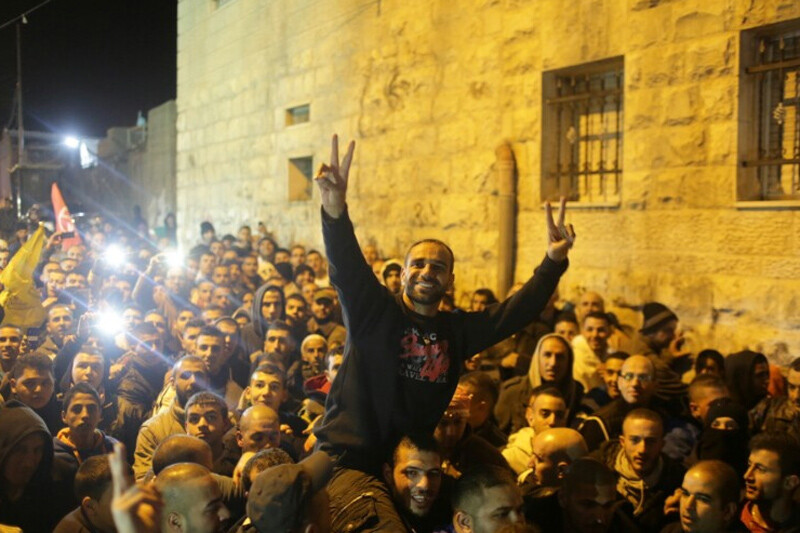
x: 434, y: 295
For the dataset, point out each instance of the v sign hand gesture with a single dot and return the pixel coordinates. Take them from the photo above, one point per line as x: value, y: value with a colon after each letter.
x: 560, y: 237
x: 332, y: 179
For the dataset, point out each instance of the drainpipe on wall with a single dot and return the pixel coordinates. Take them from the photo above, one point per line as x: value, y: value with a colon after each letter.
x: 505, y: 166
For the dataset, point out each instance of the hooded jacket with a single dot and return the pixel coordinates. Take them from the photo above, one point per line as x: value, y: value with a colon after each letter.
x: 254, y: 332
x: 516, y: 392
x: 40, y: 507
x: 739, y: 377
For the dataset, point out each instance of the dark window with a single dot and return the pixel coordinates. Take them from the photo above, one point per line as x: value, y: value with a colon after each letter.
x: 298, y: 115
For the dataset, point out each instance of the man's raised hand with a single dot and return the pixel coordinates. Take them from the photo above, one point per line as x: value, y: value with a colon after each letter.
x: 560, y: 236
x: 135, y: 508
x: 332, y: 179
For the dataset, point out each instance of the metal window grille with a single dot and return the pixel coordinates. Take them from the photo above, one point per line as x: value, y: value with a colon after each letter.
x: 587, y: 111
x: 776, y: 77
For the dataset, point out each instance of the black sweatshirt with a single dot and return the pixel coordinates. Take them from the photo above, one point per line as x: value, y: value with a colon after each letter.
x: 400, y: 368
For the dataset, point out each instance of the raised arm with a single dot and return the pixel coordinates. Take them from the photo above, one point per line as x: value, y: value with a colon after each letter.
x: 332, y: 179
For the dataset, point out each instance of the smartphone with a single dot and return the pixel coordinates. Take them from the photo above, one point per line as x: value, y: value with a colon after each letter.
x: 68, y: 235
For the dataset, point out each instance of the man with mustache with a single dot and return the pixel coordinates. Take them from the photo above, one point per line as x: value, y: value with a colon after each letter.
x: 10, y: 341
x: 403, y: 357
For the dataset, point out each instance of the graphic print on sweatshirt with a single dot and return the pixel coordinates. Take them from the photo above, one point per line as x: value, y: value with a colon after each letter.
x: 423, y: 356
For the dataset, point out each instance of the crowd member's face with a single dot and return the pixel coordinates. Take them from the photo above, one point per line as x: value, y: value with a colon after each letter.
x: 158, y: 322
x: 205, y: 510
x: 296, y: 311
x: 479, y: 302
x: 10, y: 341
x: 566, y: 329
x: 5, y: 257
x: 131, y: 318
x: 75, y: 281
x: 23, y: 460
x: 221, y: 276
x: 266, y: 248
x: 334, y: 362
x: 415, y: 480
x: 55, y: 283
x: 68, y: 265
x: 211, y: 350
x: 701, y: 508
x: 271, y: 306
x: 303, y: 277
x: 792, y: 385
x: 314, y: 260
x: 661, y: 338
x: 710, y: 366
x: 231, y: 332
x: 298, y: 256
x: 267, y: 389
x: 636, y: 380
x: 763, y: 480
x: 610, y: 371
x: 371, y: 254
x: 59, y: 323
x: 189, y: 339
x: 498, y: 506
x: 204, y: 291
x: 642, y: 441
x: 428, y: 273
x: 553, y: 360
x: 278, y: 341
x: 216, y: 248
x: 190, y: 378
x: 450, y: 429
x: 308, y: 291
x: 88, y: 368
x: 282, y: 256
x: 205, y: 421
x: 173, y: 280
x: 259, y: 434
x: 760, y: 378
x: 314, y: 350
x: 322, y: 309
x: 249, y: 266
x: 699, y: 408
x: 211, y: 315
x: 546, y: 412
x: 589, y: 508
x: 149, y: 348
x: 393, y: 281
x: 590, y: 302
x: 596, y: 332
x: 82, y: 414
x: 33, y: 387
x: 724, y: 423
x: 76, y: 253
x: 207, y: 262
x: 222, y: 297
x: 235, y: 272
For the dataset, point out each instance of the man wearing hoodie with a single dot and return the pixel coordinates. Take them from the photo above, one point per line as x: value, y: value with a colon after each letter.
x: 269, y: 304
x: 403, y: 357
x: 782, y: 413
x: 747, y: 377
x: 552, y: 366
x: 29, y: 495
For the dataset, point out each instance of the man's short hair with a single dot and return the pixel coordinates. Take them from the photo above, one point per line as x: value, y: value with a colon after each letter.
x: 279, y: 325
x: 433, y: 241
x: 782, y: 444
x: 587, y: 471
x: 180, y: 448
x: 145, y: 328
x: 566, y: 316
x: 58, y: 305
x: 208, y: 398
x: 37, y: 361
x: 728, y: 481
x: 545, y: 390
x: 599, y: 315
x: 471, y: 485
x: 702, y: 382
x: 642, y: 413
x: 80, y: 388
x: 271, y: 370
x: 618, y: 355
x: 262, y: 460
x: 486, y: 293
x: 186, y: 359
x: 12, y: 326
x: 485, y: 387
x: 211, y: 331
x: 93, y: 478
x: 703, y: 357
x: 195, y: 323
x: 424, y: 442
x: 296, y: 296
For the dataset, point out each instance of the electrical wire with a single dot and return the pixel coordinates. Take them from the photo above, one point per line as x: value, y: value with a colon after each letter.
x: 22, y: 15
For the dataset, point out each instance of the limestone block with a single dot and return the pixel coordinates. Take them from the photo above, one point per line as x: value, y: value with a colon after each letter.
x: 681, y: 105
x: 647, y: 28
x: 722, y: 143
x: 759, y: 230
x: 710, y: 57
x: 642, y: 107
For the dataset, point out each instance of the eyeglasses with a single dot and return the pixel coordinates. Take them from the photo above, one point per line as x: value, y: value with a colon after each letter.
x: 630, y: 376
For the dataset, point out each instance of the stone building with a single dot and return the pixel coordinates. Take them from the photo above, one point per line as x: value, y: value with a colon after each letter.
x: 666, y: 122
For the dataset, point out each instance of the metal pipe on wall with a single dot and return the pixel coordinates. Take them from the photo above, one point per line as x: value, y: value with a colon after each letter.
x: 505, y: 166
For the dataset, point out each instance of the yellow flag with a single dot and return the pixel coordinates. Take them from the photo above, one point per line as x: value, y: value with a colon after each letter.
x: 21, y: 300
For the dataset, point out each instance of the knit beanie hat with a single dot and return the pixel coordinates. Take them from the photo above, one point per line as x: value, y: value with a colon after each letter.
x: 205, y: 227
x: 726, y: 408
x: 655, y: 316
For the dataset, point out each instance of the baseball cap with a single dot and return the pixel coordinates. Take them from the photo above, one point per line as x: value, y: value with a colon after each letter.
x: 324, y: 293
x: 280, y: 493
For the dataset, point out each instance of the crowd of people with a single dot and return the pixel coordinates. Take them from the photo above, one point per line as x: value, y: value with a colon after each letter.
x: 246, y: 386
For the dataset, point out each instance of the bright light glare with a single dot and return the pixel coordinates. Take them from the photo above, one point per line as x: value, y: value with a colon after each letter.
x: 174, y: 258
x: 110, y: 323
x: 115, y: 255
x: 72, y: 142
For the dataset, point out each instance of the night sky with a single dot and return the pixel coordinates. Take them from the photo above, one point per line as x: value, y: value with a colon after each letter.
x: 88, y: 65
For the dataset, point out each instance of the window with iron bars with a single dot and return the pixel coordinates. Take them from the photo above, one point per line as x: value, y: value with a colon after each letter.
x: 769, y: 129
x: 582, y: 133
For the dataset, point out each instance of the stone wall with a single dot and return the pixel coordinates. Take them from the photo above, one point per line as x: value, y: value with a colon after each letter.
x: 429, y: 89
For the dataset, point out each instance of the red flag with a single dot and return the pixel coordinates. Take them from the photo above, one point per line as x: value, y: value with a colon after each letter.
x: 63, y: 218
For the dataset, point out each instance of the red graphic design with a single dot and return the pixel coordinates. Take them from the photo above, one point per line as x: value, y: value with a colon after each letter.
x: 424, y: 357
x: 63, y: 218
